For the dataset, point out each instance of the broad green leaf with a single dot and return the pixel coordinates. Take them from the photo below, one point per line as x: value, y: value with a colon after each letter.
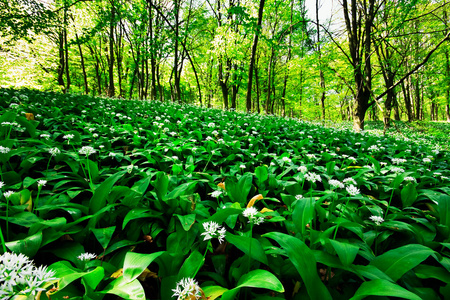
x: 98, y: 200
x: 255, y: 279
x: 191, y: 265
x: 135, y: 264
x: 261, y: 173
x: 186, y: 221
x: 409, y: 195
x: 346, y: 252
x: 214, y: 291
x: 397, y: 262
x: 138, y: 213
x: 380, y: 287
x: 183, y: 189
x: 28, y: 246
x: 444, y: 210
x: 130, y: 290
x: 161, y: 185
x: 93, y: 278
x: 303, y: 213
x: 221, y: 215
x: 104, y: 235
x: 238, y: 190
x: 255, y: 251
x: 67, y: 273
x: 303, y: 260
x: 426, y: 271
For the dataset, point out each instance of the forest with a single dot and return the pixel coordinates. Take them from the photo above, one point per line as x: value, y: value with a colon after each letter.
x: 365, y: 60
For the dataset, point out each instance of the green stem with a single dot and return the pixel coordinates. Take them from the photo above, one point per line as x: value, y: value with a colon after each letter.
x: 36, y: 200
x: 89, y: 173
x: 3, y: 241
x: 48, y: 165
x: 389, y: 204
x: 340, y: 213
x: 376, y: 239
x: 209, y: 159
x: 7, y: 219
x: 204, y: 256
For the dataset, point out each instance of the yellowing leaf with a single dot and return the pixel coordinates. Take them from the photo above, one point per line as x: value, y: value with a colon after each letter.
x: 29, y: 116
x: 254, y: 199
x: 117, y: 273
x: 221, y: 185
x: 265, y: 209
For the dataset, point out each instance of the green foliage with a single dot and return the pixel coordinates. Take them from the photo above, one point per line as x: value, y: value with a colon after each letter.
x: 306, y: 211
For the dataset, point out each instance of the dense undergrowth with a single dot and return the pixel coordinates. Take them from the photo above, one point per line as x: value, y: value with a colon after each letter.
x: 117, y: 198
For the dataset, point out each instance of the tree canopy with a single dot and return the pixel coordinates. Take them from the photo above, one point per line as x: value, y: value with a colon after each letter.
x: 373, y: 59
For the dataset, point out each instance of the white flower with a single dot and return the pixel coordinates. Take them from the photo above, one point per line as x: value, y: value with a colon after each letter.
x: 187, y: 289
x: 372, y: 148
x: 410, y: 178
x: 313, y: 177
x: 302, y: 169
x: 19, y: 276
x: 87, y: 150
x: 378, y: 220
x: 212, y: 229
x: 335, y: 184
x: 2, y: 184
x: 42, y: 183
x: 45, y: 136
x: 54, y: 151
x: 68, y: 136
x: 216, y: 194
x: 298, y: 197
x: 286, y: 159
x: 242, y: 166
x: 397, y: 170
x: 8, y: 194
x: 4, y: 150
x: 426, y: 160
x: 112, y: 154
x: 352, y: 190
x: 350, y: 181
x: 174, y: 157
x: 86, y: 256
x: 397, y: 161
x: 250, y: 213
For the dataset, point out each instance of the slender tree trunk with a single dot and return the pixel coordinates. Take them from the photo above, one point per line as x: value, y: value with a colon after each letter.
x: 252, y: 57
x: 111, y: 89
x: 258, y: 90
x: 66, y: 53
x: 83, y: 67
x: 406, y: 96
x: 319, y: 52
x: 61, y: 64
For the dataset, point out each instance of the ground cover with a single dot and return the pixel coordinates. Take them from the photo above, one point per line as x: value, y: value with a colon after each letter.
x: 143, y: 200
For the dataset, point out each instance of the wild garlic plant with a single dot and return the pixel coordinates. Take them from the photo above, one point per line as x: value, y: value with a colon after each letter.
x: 20, y: 277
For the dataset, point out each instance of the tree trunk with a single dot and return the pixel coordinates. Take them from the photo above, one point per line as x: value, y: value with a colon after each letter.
x: 61, y: 64
x: 83, y: 68
x: 111, y: 89
x: 252, y: 57
x: 322, y: 77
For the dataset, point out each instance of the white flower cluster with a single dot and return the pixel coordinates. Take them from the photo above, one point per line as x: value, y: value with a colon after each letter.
x: 313, y: 177
x: 187, y: 288
x: 19, y: 276
x: 378, y: 220
x: 250, y: 213
x: 86, y: 256
x: 397, y: 161
x: 4, y: 150
x: 212, y: 230
x: 335, y: 184
x: 54, y: 151
x: 87, y: 150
